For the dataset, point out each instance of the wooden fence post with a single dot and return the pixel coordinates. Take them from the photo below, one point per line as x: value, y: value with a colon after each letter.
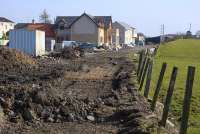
x: 144, y: 74
x: 148, y: 80
x: 187, y: 100
x: 169, y: 97
x: 142, y: 69
x: 157, y: 90
x: 140, y: 62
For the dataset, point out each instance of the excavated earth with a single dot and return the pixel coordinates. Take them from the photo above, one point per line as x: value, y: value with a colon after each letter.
x: 94, y: 94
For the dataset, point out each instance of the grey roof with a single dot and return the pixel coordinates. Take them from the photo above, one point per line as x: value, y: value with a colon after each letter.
x: 21, y: 25
x: 106, y: 20
x: 125, y: 25
x: 68, y: 20
x: 2, y: 19
x: 140, y: 34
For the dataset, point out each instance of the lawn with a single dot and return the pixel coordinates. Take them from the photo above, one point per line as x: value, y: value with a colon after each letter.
x: 180, y: 53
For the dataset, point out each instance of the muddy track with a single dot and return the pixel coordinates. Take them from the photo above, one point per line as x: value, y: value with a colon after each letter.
x: 93, y: 94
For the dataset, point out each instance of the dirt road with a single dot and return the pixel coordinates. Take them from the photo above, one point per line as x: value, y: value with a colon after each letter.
x: 94, y: 94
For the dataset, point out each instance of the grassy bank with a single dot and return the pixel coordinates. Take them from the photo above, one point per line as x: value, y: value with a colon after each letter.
x: 180, y: 53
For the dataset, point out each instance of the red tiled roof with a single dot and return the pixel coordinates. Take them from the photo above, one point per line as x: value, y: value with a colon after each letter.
x: 47, y: 28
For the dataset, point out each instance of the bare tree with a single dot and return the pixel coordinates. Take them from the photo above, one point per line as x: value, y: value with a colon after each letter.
x: 45, y: 17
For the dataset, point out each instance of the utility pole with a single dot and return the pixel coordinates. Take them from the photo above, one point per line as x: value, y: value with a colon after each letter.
x: 190, y: 27
x: 162, y: 33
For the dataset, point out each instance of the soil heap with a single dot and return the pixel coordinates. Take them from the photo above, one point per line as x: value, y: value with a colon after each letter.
x: 13, y: 60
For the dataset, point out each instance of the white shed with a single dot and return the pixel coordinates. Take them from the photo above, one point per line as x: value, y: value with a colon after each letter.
x: 31, y: 42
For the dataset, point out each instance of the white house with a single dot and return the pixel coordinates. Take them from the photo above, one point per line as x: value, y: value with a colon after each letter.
x: 134, y: 36
x: 125, y: 32
x: 5, y: 26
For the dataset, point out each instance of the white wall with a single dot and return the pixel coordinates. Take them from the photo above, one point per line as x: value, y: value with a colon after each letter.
x: 29, y: 42
x: 5, y: 27
x: 40, y: 43
x: 128, y: 36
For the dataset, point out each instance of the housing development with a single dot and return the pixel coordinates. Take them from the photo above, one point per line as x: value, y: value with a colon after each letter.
x: 104, y: 71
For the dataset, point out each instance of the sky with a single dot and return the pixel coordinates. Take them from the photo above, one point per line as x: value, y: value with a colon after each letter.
x: 146, y: 16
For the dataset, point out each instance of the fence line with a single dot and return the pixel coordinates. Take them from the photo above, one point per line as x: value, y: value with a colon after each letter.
x: 145, y: 68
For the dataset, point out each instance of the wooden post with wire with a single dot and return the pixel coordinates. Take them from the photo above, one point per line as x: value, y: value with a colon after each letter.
x: 148, y: 80
x: 144, y: 74
x: 142, y: 69
x: 169, y: 97
x: 157, y: 90
x: 140, y: 62
x: 187, y: 100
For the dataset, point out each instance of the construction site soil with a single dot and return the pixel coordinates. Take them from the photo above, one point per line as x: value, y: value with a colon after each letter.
x: 93, y: 94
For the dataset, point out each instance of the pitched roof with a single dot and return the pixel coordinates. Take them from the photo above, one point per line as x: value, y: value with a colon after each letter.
x: 2, y: 19
x: 21, y: 25
x: 87, y: 15
x: 140, y: 34
x: 106, y: 20
x: 69, y: 20
x: 47, y: 28
x: 125, y: 25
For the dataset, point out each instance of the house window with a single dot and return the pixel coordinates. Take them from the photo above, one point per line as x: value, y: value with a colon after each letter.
x: 62, y: 27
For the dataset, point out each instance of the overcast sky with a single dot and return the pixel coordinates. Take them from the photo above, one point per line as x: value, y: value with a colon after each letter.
x: 146, y: 15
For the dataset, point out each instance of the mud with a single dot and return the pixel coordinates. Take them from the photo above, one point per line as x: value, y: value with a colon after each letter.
x: 91, y: 94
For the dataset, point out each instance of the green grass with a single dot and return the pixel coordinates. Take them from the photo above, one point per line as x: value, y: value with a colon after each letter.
x: 180, y: 53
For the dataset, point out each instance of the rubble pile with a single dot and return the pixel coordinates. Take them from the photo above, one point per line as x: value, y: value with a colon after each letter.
x: 71, y: 52
x: 12, y: 60
x: 19, y: 105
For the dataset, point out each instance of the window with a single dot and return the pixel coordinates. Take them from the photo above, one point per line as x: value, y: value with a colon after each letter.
x: 62, y: 27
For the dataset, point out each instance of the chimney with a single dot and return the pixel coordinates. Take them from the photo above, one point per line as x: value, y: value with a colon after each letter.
x: 33, y: 21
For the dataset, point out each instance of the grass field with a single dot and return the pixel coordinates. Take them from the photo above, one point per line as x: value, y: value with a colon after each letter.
x: 180, y: 53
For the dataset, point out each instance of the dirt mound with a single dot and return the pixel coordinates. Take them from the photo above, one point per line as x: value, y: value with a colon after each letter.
x: 72, y: 52
x: 12, y: 59
x: 69, y: 53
